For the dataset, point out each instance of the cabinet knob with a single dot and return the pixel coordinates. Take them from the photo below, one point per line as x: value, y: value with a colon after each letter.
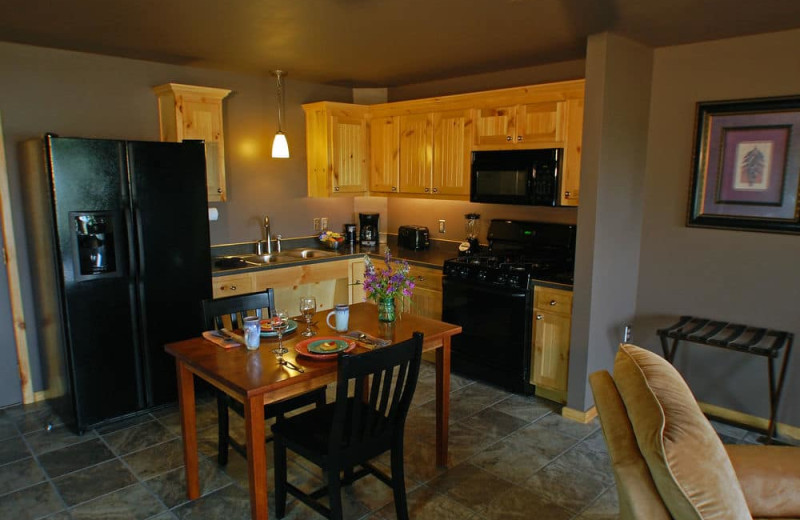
x: 336, y: 188
x: 566, y: 194
x: 539, y: 317
x: 427, y: 190
x: 394, y: 188
x: 219, y: 190
x: 435, y: 190
x: 233, y: 287
x: 519, y: 138
x: 508, y: 138
x: 552, y: 302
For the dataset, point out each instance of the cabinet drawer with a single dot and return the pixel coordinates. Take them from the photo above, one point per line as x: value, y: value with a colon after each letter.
x: 232, y: 285
x: 552, y: 300
x: 431, y: 278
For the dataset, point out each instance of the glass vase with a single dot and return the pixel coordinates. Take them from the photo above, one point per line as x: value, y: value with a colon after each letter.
x: 386, y: 310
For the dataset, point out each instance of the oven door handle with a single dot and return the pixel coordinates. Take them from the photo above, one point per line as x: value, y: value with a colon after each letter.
x: 484, y: 288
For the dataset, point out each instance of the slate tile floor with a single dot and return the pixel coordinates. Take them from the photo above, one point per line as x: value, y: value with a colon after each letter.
x: 510, y: 456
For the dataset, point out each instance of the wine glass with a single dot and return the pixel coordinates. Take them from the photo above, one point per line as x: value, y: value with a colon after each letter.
x: 308, y: 306
x: 280, y: 322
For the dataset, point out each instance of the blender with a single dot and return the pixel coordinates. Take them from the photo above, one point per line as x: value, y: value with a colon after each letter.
x: 471, y: 246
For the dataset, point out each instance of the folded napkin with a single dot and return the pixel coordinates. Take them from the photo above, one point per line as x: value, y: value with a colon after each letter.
x: 218, y: 339
x: 369, y: 340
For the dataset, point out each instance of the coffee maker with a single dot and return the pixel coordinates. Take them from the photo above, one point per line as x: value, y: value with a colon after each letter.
x: 369, y: 229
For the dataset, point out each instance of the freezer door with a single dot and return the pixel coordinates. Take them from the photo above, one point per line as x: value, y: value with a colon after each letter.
x: 96, y: 289
x: 170, y: 214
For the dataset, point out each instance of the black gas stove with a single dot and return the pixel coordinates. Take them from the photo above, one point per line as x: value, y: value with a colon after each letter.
x: 490, y: 295
x: 514, y: 273
x: 519, y: 253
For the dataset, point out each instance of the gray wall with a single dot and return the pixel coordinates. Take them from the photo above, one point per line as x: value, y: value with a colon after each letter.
x: 77, y: 94
x: 731, y: 275
x: 609, y: 217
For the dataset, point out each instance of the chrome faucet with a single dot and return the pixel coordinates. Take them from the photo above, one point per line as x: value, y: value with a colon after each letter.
x: 265, y: 246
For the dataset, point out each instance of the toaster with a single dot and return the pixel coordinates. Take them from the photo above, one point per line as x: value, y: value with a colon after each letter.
x: 413, y: 237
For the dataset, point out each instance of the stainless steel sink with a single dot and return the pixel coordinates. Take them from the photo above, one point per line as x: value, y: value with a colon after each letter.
x: 309, y: 253
x: 264, y: 259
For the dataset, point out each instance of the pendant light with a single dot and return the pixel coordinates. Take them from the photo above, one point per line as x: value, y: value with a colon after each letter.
x: 280, y: 148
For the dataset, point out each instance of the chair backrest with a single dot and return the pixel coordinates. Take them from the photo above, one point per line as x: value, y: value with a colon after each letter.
x: 231, y: 310
x: 383, y: 383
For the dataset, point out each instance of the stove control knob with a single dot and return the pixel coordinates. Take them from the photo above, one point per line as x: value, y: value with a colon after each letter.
x: 482, y: 275
x: 464, y: 273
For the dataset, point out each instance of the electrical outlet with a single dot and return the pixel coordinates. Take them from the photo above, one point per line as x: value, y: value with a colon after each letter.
x: 441, y: 225
x: 316, y: 224
x: 627, y: 333
x: 324, y: 222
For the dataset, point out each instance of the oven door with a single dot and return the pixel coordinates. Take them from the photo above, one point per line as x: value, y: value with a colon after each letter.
x: 495, y: 342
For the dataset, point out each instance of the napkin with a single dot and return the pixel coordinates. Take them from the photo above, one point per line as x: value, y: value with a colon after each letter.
x: 377, y: 342
x: 216, y: 338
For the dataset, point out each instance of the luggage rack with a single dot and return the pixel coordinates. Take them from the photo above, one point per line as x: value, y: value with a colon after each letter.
x: 740, y: 338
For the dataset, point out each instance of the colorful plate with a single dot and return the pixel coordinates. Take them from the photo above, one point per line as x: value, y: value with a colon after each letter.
x: 267, y: 332
x: 324, y: 347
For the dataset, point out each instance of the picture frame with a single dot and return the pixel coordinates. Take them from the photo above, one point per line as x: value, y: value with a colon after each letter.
x: 746, y: 165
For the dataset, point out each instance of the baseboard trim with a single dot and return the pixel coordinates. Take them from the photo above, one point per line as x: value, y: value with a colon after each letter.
x: 578, y: 415
x: 758, y: 423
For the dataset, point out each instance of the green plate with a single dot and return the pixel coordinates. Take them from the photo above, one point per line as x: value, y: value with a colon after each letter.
x: 325, y: 346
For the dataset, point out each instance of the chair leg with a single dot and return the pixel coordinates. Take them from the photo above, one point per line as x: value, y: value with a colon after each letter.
x: 399, y: 482
x: 280, y: 477
x: 222, y: 429
x: 335, y: 492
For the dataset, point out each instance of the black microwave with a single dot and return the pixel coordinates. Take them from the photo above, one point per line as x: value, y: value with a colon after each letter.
x: 516, y: 177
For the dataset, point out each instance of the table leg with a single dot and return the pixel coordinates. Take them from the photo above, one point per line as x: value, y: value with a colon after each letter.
x: 188, y: 429
x: 256, y: 457
x: 442, y: 401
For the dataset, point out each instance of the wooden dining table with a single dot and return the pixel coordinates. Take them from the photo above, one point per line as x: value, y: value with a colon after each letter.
x: 254, y: 378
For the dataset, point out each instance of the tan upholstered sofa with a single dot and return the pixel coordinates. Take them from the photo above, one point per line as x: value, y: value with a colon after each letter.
x: 668, y: 461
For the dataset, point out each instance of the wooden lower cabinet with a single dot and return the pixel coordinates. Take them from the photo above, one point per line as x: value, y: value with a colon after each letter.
x: 426, y: 300
x: 327, y: 281
x: 552, y: 320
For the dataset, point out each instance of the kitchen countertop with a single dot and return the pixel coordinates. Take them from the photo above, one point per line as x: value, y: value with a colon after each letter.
x: 433, y: 257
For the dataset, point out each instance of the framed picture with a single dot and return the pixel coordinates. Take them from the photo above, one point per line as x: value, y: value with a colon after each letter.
x: 746, y: 165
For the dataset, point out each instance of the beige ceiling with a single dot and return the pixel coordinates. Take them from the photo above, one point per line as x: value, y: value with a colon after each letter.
x: 366, y: 43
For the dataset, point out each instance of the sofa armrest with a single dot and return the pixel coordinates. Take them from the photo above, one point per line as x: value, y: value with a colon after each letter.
x: 769, y: 477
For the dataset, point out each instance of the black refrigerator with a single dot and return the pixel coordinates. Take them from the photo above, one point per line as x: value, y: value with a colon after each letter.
x: 118, y: 243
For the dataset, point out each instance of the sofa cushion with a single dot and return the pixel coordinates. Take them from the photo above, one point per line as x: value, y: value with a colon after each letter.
x: 686, y: 458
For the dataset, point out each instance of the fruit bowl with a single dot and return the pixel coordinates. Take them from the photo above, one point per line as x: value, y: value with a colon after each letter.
x: 331, y: 239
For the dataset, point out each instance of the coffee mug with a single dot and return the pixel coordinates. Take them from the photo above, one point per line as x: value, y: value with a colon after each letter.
x: 342, y: 313
x: 252, y: 332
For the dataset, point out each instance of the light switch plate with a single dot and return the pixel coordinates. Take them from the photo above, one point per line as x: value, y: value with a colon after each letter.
x: 441, y: 225
x: 323, y: 222
x: 316, y: 224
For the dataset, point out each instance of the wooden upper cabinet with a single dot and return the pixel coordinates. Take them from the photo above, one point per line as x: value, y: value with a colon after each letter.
x: 192, y: 112
x: 416, y: 152
x: 526, y: 125
x: 384, y: 175
x: 337, y: 148
x: 452, y: 152
x: 571, y: 162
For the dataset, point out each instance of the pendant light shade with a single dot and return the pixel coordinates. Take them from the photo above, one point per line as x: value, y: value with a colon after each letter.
x: 280, y: 147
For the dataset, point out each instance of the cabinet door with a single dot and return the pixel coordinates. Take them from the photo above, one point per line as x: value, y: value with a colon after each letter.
x: 348, y: 153
x: 415, y: 153
x: 357, y: 294
x: 452, y: 138
x: 571, y: 163
x: 495, y: 126
x: 425, y: 302
x: 540, y: 124
x: 551, y: 350
x: 384, y: 154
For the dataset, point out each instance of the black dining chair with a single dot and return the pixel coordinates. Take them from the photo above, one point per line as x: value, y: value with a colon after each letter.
x: 355, y: 428
x: 229, y: 313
